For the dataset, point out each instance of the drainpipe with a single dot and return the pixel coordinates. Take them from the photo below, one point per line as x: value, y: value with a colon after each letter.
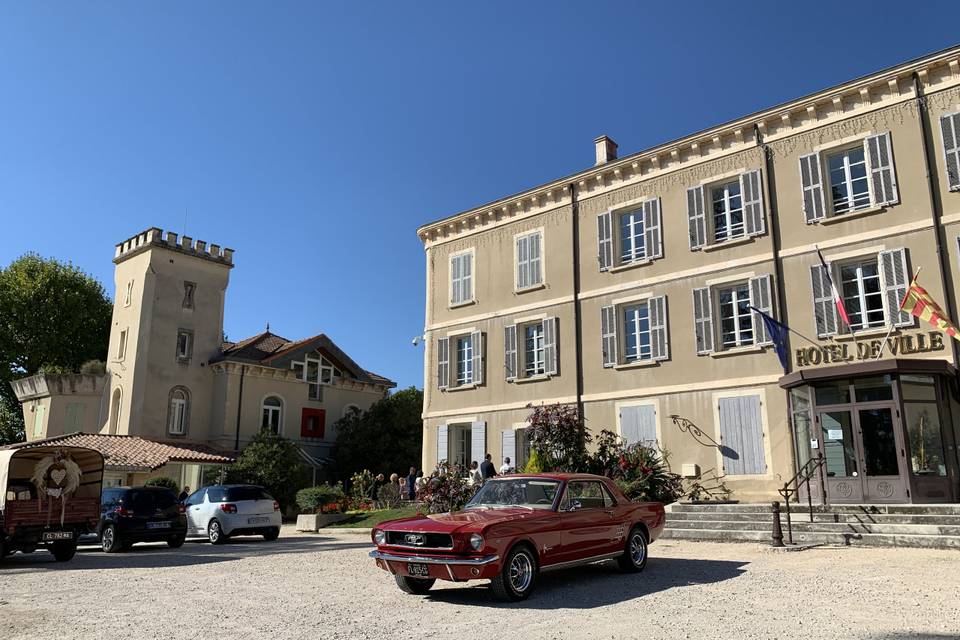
x: 577, y: 323
x: 236, y: 441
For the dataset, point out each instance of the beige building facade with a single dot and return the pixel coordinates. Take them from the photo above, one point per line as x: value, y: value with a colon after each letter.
x: 630, y: 289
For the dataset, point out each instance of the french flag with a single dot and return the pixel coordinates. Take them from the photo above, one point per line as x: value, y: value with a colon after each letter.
x: 836, y: 294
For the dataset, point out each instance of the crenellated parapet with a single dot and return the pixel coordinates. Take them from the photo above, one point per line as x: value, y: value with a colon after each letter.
x: 155, y: 237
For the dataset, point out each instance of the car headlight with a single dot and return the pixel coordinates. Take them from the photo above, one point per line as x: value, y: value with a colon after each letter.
x: 379, y: 536
x: 476, y: 541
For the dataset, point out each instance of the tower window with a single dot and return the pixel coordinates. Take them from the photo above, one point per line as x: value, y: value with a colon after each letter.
x: 129, y: 295
x: 184, y: 344
x: 188, y: 290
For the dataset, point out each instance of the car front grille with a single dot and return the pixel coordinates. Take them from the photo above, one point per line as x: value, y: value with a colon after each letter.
x: 419, y: 540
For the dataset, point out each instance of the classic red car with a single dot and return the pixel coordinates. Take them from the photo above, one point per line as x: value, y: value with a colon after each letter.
x: 517, y: 526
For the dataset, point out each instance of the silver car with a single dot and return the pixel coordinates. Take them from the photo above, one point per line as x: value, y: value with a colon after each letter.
x: 224, y: 510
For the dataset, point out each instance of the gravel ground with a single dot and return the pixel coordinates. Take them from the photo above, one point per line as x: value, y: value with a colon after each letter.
x: 324, y: 586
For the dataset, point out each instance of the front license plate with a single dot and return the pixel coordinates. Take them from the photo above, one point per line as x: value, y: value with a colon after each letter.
x: 257, y: 520
x: 158, y: 525
x: 58, y: 535
x: 418, y: 569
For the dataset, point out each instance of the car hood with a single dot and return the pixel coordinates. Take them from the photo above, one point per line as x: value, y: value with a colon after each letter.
x: 473, y: 519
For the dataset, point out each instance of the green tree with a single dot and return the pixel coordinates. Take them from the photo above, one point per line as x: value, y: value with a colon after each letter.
x: 52, y: 315
x: 387, y: 438
x: 273, y: 463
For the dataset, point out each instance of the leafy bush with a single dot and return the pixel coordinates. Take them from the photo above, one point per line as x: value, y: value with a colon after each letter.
x: 274, y: 463
x: 388, y: 497
x: 360, y: 485
x: 534, y: 465
x: 163, y: 481
x: 446, y: 492
x: 320, y: 499
x: 93, y: 368
x: 560, y: 437
x: 641, y: 472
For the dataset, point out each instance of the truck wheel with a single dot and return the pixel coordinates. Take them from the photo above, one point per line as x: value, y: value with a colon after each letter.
x: 634, y: 556
x: 415, y: 586
x: 63, y: 551
x: 110, y: 540
x: 518, y: 575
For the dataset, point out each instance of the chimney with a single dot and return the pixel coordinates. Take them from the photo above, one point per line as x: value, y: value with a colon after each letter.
x: 606, y: 150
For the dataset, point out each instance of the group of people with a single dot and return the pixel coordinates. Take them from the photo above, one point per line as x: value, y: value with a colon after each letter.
x: 410, y: 485
x: 478, y: 474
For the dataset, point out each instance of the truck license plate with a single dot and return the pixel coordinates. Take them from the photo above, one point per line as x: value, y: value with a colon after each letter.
x: 418, y: 569
x: 58, y: 535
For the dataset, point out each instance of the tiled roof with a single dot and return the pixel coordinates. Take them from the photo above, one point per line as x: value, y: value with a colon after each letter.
x: 134, y: 452
x: 256, y: 348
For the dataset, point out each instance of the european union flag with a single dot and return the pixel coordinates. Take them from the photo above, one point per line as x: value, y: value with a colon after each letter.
x: 778, y: 336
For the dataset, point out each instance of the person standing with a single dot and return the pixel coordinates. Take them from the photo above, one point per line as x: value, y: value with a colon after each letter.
x: 487, y: 470
x: 505, y: 467
x: 475, y: 477
x: 412, y: 484
x: 184, y: 494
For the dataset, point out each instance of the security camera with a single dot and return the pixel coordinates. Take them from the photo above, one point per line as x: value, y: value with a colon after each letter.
x: 415, y: 341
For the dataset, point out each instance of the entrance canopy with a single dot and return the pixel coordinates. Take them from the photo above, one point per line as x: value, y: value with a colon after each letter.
x: 871, y: 367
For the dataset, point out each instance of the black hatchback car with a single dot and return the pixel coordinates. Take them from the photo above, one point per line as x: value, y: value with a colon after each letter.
x: 140, y: 514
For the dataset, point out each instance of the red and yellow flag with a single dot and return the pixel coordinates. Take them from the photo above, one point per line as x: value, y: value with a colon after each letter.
x: 919, y: 303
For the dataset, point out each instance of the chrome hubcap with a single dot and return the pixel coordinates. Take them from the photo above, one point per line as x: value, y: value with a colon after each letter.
x: 521, y: 572
x: 214, y: 531
x: 638, y: 549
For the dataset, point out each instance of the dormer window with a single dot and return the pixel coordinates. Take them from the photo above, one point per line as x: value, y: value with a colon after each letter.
x: 316, y: 371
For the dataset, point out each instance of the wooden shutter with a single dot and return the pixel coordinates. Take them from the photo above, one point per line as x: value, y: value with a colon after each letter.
x: 605, y: 241
x: 659, y: 341
x: 638, y: 425
x: 478, y: 441
x: 883, y: 179
x: 652, y: 230
x: 608, y: 335
x: 550, y: 352
x: 761, y: 298
x: 824, y: 308
x: 476, y: 341
x: 441, y: 443
x: 703, y: 320
x: 510, y: 351
x: 508, y: 446
x: 533, y: 247
x: 38, y: 415
x: 752, y: 190
x: 443, y: 363
x: 523, y: 260
x: 466, y: 277
x: 741, y: 436
x: 696, y: 221
x: 895, y: 280
x: 950, y: 130
x: 811, y: 180
x: 455, y: 280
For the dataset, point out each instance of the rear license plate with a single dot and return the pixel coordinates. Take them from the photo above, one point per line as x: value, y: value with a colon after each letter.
x: 257, y: 520
x: 58, y: 535
x: 158, y: 525
x: 418, y: 569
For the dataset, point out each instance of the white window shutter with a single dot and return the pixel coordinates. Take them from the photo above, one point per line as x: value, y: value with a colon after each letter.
x: 652, y: 231
x: 476, y: 341
x: 659, y: 339
x: 703, y: 320
x: 895, y: 281
x: 811, y: 181
x: 604, y: 241
x: 510, y: 351
x: 550, y: 352
x: 696, y: 220
x: 441, y: 443
x: 455, y: 280
x: 443, y: 363
x: 761, y: 298
x: 523, y: 260
x: 824, y: 308
x: 508, y: 446
x: 608, y: 335
x: 950, y: 131
x: 883, y: 178
x: 478, y: 441
x: 752, y: 190
x: 535, y: 272
x: 466, y: 277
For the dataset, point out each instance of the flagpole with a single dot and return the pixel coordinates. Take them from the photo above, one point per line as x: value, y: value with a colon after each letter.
x: 886, y: 338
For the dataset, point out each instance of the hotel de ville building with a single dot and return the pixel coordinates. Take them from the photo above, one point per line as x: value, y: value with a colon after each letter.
x: 627, y: 289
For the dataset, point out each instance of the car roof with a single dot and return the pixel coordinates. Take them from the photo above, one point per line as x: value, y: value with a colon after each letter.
x: 555, y: 476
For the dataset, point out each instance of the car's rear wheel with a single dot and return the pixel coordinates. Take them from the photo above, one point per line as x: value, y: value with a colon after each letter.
x: 517, y: 576
x: 110, y: 539
x: 634, y: 556
x: 176, y: 541
x: 272, y: 534
x: 416, y: 586
x: 215, y: 532
x: 64, y: 550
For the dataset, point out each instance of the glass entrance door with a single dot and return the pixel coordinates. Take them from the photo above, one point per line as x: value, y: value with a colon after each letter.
x: 884, y: 480
x: 841, y: 456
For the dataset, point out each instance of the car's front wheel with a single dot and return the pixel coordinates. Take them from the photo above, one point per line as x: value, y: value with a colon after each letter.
x: 63, y: 551
x: 110, y: 539
x: 272, y: 534
x: 215, y: 532
x: 176, y: 541
x: 634, y: 556
x: 416, y: 586
x: 517, y: 576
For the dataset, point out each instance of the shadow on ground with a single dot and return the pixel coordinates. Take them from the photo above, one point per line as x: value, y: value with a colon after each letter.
x: 601, y: 584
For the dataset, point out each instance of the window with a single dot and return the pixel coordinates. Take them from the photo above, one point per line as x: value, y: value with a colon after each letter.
x: 460, y: 451
x: 466, y: 351
x: 537, y: 354
x: 38, y: 423
x: 122, y: 345
x: 178, y: 412
x: 75, y: 417
x: 316, y: 370
x: 464, y: 360
x: 849, y: 190
x: 529, y: 262
x: 950, y: 129
x: 736, y: 318
x: 922, y: 417
x: 862, y: 297
x: 631, y: 237
x: 533, y: 363
x: 638, y: 424
x: 188, y: 290
x: 271, y: 412
x: 523, y: 448
x: 637, y: 236
x: 115, y: 406
x: 634, y: 332
x: 184, y: 344
x: 727, y: 212
x: 461, y: 278
x: 312, y: 423
x: 589, y: 495
x: 128, y: 296
x: 741, y: 432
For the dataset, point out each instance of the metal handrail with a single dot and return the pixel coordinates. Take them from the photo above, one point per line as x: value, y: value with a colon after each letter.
x: 802, y: 477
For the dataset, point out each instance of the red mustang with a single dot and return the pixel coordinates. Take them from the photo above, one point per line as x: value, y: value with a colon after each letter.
x: 514, y: 528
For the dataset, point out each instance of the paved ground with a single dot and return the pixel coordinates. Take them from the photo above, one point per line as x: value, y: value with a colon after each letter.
x: 323, y: 586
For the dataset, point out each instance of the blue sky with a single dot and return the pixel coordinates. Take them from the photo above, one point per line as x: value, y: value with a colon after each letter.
x: 314, y: 138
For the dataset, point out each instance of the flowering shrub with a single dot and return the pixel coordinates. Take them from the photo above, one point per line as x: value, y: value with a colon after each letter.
x: 446, y: 492
x: 360, y: 485
x: 320, y: 499
x: 558, y: 434
x: 388, y: 497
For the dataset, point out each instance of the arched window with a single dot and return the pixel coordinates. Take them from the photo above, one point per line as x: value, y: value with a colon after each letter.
x: 178, y: 412
x: 115, y: 405
x: 272, y: 412
x: 350, y: 409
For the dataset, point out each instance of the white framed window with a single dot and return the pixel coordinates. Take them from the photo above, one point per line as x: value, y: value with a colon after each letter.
x: 637, y: 422
x: 727, y: 210
x: 637, y: 343
x: 316, y: 370
x: 634, y: 331
x: 862, y: 294
x: 529, y: 260
x: 178, y: 411
x: 723, y: 318
x: 128, y: 296
x: 849, y: 186
x: 534, y: 363
x: 464, y: 353
x: 629, y: 235
x: 950, y: 135
x: 184, y: 344
x: 461, y: 277
x: 271, y: 412
x: 460, y: 360
x: 736, y: 318
x: 531, y: 349
x: 460, y: 445
x: 632, y: 241
x: 122, y: 345
x: 189, y: 289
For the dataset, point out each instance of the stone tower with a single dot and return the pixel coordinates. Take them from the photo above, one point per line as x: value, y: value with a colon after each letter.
x: 167, y: 324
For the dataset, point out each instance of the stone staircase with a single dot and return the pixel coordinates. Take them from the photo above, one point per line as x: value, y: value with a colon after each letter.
x: 927, y: 526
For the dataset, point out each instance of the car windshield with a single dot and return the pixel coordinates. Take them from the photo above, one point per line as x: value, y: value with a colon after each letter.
x: 530, y: 493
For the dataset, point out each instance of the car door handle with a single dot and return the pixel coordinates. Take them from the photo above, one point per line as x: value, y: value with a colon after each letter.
x: 609, y: 513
